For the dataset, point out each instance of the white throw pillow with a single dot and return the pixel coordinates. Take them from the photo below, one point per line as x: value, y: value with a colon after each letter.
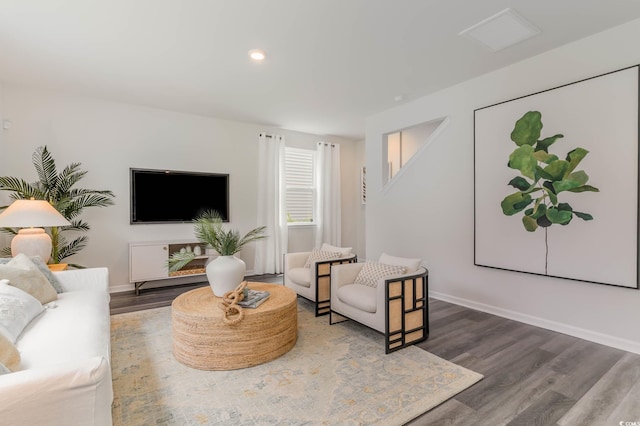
x: 344, y: 251
x: 17, y: 309
x: 320, y: 255
x: 24, y: 274
x: 42, y: 267
x: 412, y: 265
x: 371, y: 272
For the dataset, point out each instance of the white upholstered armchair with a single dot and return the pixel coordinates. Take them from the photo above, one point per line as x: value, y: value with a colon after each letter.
x: 309, y: 273
x: 389, y: 296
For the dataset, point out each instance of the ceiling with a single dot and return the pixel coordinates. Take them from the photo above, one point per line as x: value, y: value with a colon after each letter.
x: 330, y: 63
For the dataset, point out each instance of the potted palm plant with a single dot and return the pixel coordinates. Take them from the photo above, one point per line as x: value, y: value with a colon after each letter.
x: 226, y: 271
x: 58, y: 189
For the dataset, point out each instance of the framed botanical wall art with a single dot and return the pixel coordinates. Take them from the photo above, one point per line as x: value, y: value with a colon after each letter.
x: 556, y: 181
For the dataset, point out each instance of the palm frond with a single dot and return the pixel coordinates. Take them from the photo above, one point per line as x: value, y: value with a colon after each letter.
x: 46, y: 167
x: 77, y: 192
x: 21, y: 188
x: 179, y: 260
x: 76, y: 266
x: 93, y: 200
x: 62, y: 241
x: 229, y: 242
x: 9, y: 231
x: 73, y: 247
x: 73, y: 207
x: 62, y: 204
x: 253, y: 235
x: 77, y: 225
x: 206, y: 232
x: 208, y: 229
x: 70, y: 176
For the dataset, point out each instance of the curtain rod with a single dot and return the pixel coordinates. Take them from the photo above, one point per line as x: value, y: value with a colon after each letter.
x: 270, y: 136
x: 327, y: 144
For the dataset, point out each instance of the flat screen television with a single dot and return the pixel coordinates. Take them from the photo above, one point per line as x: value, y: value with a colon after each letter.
x: 170, y: 196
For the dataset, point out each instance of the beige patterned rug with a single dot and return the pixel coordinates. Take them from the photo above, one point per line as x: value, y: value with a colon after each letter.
x: 335, y: 375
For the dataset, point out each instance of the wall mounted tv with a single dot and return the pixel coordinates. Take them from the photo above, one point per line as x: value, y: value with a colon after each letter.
x: 170, y: 196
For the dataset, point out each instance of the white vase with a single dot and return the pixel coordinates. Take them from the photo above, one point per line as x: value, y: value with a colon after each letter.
x: 225, y: 273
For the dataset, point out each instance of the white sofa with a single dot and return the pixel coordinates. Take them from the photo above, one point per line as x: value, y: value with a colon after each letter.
x: 65, y: 373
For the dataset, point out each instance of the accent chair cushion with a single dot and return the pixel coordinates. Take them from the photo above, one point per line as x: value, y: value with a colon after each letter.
x: 358, y: 296
x: 17, y: 309
x: 344, y: 251
x: 24, y: 274
x: 372, y: 272
x: 42, y: 267
x: 300, y: 276
x: 320, y: 255
x: 412, y: 265
x: 9, y: 355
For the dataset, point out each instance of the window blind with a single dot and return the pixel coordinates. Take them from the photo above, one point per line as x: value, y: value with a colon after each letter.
x: 300, y: 184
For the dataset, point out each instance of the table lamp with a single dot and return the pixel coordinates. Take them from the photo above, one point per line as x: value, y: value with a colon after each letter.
x: 31, y: 215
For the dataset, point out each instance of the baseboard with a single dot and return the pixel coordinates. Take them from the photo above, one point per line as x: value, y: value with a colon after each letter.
x: 121, y: 288
x: 592, y: 336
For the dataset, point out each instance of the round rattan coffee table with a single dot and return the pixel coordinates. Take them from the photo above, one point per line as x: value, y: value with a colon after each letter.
x: 201, y: 340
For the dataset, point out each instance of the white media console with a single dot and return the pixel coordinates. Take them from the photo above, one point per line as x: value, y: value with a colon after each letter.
x: 148, y: 261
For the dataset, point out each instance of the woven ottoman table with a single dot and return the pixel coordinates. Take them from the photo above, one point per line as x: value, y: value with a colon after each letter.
x: 202, y: 340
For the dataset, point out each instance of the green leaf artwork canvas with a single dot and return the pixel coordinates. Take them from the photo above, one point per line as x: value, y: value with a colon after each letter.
x: 555, y: 183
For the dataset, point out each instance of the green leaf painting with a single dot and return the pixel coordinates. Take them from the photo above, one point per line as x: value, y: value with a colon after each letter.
x: 544, y: 177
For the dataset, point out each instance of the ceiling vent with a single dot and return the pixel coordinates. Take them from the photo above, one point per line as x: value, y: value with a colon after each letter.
x: 501, y: 30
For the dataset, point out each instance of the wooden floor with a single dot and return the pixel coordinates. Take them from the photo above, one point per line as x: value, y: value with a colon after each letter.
x: 532, y: 376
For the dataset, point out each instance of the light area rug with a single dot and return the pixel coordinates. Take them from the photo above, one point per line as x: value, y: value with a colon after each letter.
x: 335, y: 375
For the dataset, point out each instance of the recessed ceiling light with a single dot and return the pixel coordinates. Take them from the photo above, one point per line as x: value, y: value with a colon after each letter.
x: 501, y: 30
x: 257, y: 54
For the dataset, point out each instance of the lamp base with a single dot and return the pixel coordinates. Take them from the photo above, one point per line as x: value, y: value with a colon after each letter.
x: 32, y: 242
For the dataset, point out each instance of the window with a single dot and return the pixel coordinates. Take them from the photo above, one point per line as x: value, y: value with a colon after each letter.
x: 299, y: 165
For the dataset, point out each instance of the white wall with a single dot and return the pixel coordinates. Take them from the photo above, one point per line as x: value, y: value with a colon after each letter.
x: 108, y: 138
x: 4, y: 198
x: 428, y: 212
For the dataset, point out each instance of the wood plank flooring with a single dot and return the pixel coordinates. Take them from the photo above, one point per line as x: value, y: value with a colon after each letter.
x: 532, y: 376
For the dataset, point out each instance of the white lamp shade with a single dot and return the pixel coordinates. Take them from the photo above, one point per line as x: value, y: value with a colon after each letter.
x: 31, y: 213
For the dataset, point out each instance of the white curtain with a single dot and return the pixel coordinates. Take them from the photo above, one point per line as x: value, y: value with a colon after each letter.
x: 328, y: 200
x: 271, y: 205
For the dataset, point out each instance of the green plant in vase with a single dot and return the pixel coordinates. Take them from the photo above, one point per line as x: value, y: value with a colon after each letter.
x: 226, y: 271
x: 209, y: 230
x: 544, y: 177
